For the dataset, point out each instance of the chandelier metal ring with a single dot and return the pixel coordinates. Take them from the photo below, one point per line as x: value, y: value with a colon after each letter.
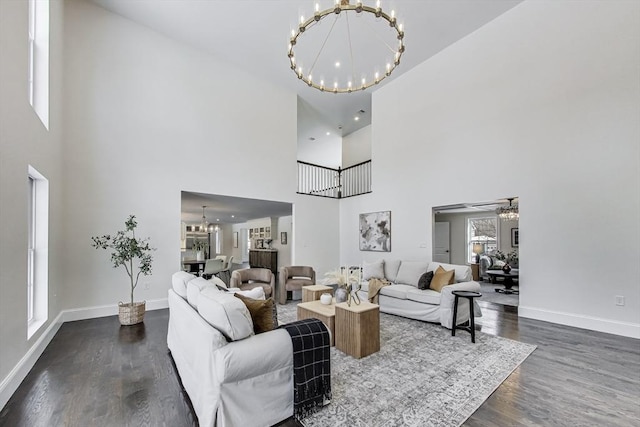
x: 340, y: 7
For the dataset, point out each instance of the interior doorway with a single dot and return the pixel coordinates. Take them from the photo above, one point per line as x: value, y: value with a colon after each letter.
x: 485, y: 236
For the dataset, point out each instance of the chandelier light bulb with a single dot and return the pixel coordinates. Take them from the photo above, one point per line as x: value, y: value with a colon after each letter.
x: 317, y: 7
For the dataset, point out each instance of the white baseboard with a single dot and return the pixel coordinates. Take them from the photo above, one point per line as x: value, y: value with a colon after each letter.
x: 11, y: 382
x: 625, y: 329
x: 107, y: 310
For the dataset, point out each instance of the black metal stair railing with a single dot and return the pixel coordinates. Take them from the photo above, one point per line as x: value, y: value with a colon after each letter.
x: 316, y: 180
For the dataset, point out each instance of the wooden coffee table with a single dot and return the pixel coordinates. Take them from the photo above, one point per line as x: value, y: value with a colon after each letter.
x: 357, y: 328
x: 326, y: 313
x: 313, y: 292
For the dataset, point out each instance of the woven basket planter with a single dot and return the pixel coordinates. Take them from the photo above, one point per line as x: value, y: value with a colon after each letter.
x: 131, y: 314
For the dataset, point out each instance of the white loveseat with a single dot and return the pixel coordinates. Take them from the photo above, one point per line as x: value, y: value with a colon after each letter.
x: 403, y: 298
x: 233, y: 377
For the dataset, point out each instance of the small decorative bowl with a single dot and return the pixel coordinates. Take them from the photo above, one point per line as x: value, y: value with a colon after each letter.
x: 326, y: 299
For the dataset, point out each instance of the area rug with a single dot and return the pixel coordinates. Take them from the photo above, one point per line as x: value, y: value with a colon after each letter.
x: 422, y: 376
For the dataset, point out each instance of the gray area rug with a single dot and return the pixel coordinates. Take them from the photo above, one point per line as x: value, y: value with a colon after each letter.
x: 422, y: 376
x: 489, y: 294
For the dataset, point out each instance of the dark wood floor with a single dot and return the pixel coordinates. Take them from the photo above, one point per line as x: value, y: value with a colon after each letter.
x: 96, y: 373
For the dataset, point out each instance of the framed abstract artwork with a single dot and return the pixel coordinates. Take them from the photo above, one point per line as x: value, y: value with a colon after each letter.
x: 375, y: 231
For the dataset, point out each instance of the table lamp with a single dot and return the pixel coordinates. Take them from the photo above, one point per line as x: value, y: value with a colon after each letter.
x: 477, y: 250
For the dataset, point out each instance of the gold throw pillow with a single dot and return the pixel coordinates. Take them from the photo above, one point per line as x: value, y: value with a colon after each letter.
x: 442, y: 278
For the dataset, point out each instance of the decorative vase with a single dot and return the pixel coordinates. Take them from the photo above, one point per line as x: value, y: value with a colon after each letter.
x: 129, y: 314
x: 199, y: 256
x: 506, y: 268
x: 341, y: 295
x: 326, y: 299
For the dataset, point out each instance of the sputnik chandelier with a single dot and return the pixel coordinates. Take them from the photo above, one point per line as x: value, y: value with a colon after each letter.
x: 332, y: 50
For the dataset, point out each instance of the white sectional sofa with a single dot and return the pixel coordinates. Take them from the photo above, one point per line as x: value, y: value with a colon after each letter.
x: 403, y: 298
x: 233, y: 377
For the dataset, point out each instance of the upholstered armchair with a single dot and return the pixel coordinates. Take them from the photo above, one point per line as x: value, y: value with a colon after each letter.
x: 293, y: 278
x: 250, y: 278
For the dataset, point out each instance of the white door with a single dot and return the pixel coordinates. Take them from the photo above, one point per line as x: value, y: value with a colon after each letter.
x: 441, y: 249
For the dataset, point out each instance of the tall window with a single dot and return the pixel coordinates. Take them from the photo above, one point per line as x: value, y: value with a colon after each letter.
x: 37, y: 251
x: 38, y: 72
x: 483, y: 233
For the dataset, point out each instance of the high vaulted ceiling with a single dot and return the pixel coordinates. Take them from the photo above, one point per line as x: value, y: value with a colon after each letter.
x: 253, y: 35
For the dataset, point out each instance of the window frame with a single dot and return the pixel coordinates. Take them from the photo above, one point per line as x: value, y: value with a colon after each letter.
x: 37, y: 286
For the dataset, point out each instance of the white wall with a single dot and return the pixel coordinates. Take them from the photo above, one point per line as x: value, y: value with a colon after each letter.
x: 356, y: 147
x: 23, y: 141
x: 546, y: 98
x: 147, y: 118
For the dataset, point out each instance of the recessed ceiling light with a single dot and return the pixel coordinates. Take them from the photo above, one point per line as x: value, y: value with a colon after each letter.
x: 217, y: 219
x: 337, y: 64
x: 328, y: 133
x: 233, y: 216
x: 356, y: 118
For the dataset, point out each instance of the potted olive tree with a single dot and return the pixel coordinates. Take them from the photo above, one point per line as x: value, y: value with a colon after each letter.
x: 125, y: 249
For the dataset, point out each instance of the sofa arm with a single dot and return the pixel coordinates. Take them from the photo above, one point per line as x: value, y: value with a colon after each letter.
x: 447, y: 299
x: 254, y: 356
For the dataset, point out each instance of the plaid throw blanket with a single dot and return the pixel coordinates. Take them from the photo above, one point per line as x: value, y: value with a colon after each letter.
x: 311, y: 366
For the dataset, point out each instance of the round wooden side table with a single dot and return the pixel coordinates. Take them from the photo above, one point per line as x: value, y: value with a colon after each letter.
x: 472, y: 324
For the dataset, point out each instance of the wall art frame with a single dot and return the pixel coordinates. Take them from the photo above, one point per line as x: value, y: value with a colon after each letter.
x: 283, y: 237
x: 515, y: 237
x: 375, y: 231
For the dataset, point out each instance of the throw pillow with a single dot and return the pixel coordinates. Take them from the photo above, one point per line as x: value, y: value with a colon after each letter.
x: 425, y: 280
x: 261, y: 313
x: 374, y: 270
x: 391, y: 268
x: 442, y: 278
x: 410, y: 272
x: 255, y: 293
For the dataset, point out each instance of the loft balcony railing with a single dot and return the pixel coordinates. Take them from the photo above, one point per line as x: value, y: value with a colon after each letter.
x: 316, y: 180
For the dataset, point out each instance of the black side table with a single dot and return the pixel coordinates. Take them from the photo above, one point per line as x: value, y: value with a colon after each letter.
x: 472, y: 327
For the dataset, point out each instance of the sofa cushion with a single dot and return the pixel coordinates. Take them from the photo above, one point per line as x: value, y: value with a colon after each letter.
x: 226, y: 313
x: 410, y: 272
x: 261, y: 313
x: 425, y: 280
x: 441, y: 278
x: 373, y: 270
x: 462, y: 272
x: 194, y: 287
x: 427, y: 296
x: 396, y: 291
x: 391, y: 268
x: 179, y: 282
